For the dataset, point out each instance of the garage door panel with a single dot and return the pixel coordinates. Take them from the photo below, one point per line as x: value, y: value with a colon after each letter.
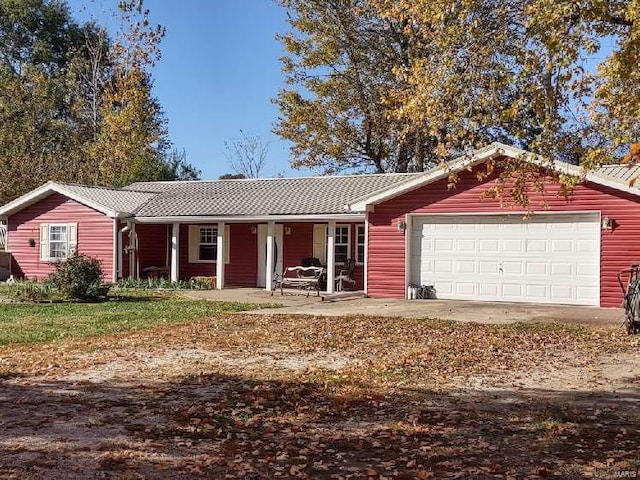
x: 443, y: 245
x: 587, y: 246
x: 537, y: 245
x: 489, y: 267
x: 466, y: 245
x: 539, y: 292
x: 512, y: 268
x: 466, y: 289
x: 584, y: 292
x: 443, y: 266
x: 561, y: 268
x: 488, y: 290
x: 512, y: 291
x: 513, y: 246
x: 546, y: 258
x: 536, y: 268
x: 446, y: 288
x: 488, y: 245
x: 466, y: 266
x: 562, y: 246
x: 585, y: 269
x: 561, y: 292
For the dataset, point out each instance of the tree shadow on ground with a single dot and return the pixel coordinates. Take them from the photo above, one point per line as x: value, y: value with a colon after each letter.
x: 217, y: 426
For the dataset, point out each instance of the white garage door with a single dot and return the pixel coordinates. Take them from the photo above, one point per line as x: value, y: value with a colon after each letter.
x: 548, y: 258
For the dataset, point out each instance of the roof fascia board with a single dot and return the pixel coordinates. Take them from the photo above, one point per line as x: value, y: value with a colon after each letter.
x: 47, y: 189
x: 341, y: 217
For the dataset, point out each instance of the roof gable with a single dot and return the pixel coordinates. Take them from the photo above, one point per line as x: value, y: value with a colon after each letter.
x: 111, y: 202
x: 613, y: 176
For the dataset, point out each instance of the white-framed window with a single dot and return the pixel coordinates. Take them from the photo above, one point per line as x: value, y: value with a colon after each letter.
x: 58, y: 246
x: 203, y: 243
x: 360, y: 241
x: 58, y: 241
x: 208, y: 244
x: 342, y: 243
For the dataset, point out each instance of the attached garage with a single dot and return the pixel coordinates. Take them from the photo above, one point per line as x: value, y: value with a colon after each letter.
x: 546, y: 258
x: 469, y: 245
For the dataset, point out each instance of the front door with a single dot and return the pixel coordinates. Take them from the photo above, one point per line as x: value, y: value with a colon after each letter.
x: 262, y: 252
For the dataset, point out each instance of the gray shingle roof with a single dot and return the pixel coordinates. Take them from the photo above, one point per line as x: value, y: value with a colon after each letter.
x: 261, y: 197
x: 118, y: 200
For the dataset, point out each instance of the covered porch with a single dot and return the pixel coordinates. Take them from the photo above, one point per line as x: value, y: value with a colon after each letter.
x: 243, y: 252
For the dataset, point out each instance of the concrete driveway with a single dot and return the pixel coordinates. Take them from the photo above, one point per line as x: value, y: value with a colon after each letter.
x: 462, y: 311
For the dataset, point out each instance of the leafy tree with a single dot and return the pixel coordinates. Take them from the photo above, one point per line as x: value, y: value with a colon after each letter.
x: 247, y: 154
x: 132, y: 139
x: 40, y: 127
x: 77, y: 105
x: 397, y: 85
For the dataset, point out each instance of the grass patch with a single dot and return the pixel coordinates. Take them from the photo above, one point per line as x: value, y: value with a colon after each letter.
x: 29, y: 323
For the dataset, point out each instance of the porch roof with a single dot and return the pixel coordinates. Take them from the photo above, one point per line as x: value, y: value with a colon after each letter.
x: 262, y: 197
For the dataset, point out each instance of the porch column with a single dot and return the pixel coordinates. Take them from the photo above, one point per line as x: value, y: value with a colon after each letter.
x: 132, y: 250
x: 331, y: 256
x: 175, y: 251
x: 268, y: 274
x: 221, y: 254
x: 116, y: 251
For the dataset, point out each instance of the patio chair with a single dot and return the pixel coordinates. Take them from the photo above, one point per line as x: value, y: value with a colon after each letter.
x: 345, y: 276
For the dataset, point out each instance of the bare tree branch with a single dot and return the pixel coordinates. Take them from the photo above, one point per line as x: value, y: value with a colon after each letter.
x: 247, y: 154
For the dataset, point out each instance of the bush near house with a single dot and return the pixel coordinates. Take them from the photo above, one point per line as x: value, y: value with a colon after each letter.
x: 80, y: 278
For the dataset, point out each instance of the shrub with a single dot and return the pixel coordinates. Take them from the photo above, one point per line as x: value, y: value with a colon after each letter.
x: 79, y: 278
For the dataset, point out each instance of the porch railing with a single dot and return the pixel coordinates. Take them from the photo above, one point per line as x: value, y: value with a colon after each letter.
x: 3, y: 237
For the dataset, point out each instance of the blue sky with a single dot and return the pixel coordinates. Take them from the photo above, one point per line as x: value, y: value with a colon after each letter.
x: 218, y: 73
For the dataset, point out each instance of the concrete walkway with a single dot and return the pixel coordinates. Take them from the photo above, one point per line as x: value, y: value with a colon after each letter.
x: 463, y: 311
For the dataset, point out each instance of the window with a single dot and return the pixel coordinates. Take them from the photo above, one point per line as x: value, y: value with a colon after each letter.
x: 208, y: 246
x: 203, y: 243
x: 360, y: 239
x: 342, y: 244
x: 58, y: 242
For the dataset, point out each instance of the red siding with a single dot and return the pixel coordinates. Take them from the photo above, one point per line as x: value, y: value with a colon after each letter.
x: 619, y: 248
x: 241, y: 271
x: 153, y: 246
x: 95, y: 235
x: 298, y: 245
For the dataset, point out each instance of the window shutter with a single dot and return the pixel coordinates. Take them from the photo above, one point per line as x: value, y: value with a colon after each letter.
x: 194, y: 243
x: 44, y: 242
x: 72, y: 238
x: 320, y: 242
x: 227, y: 243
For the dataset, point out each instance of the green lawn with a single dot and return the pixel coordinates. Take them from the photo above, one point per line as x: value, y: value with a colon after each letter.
x: 28, y: 323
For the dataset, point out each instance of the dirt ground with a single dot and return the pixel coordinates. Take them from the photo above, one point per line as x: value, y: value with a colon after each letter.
x: 274, y: 396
